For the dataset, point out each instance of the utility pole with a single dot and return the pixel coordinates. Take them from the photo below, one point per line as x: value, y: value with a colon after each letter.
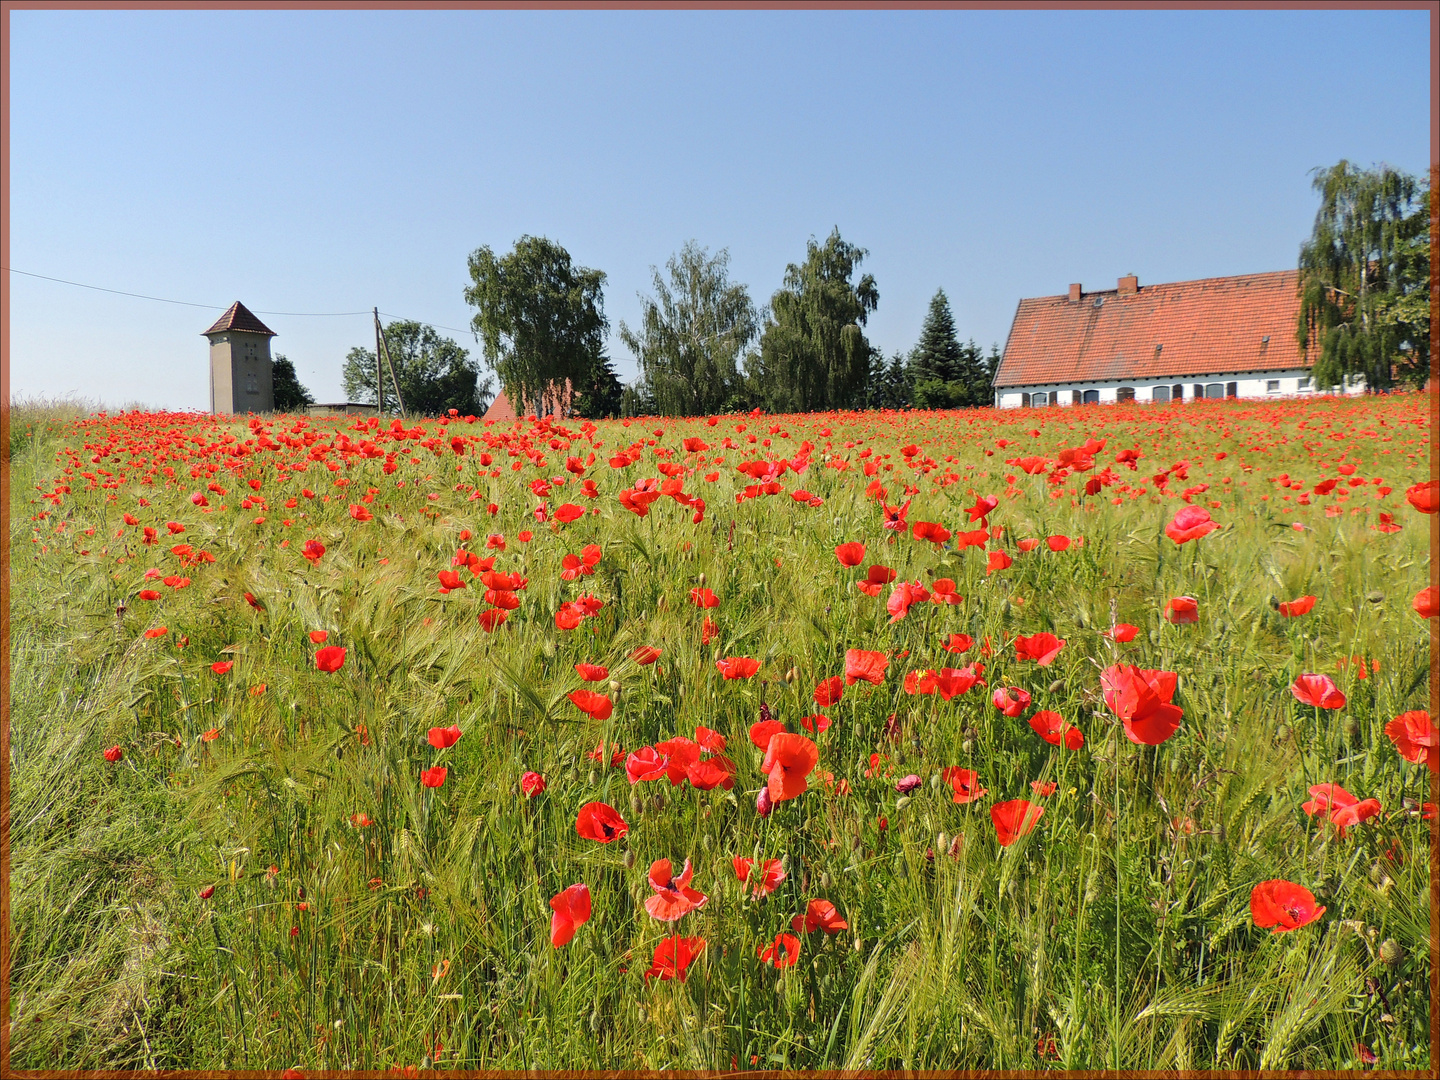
x: 379, y: 382
x: 399, y: 399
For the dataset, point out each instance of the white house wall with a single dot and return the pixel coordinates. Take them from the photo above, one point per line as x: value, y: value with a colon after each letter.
x: 1250, y: 384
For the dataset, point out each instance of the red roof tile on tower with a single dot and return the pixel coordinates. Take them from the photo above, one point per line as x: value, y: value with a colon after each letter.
x: 1207, y: 327
x: 238, y: 317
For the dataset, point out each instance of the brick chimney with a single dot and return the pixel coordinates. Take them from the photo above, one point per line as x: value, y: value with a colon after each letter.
x: 1075, y: 292
x: 1129, y: 285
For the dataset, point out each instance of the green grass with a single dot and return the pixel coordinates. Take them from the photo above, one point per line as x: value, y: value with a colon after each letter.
x: 1127, y: 940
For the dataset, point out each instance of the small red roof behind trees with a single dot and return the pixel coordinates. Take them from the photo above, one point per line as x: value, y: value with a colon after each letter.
x: 1207, y: 327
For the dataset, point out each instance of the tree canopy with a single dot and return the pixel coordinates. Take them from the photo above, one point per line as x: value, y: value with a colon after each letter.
x: 943, y: 373
x: 813, y: 354
x: 691, y: 335
x: 1365, y: 277
x: 540, y: 319
x: 290, y: 395
x: 435, y: 374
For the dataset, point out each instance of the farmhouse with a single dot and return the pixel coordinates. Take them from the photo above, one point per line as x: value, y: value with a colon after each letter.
x: 1212, y: 338
x: 555, y: 402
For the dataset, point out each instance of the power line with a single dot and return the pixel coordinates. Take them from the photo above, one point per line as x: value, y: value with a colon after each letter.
x: 222, y: 307
x: 183, y: 303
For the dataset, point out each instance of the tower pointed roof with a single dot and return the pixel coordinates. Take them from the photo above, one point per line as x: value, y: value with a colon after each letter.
x: 238, y: 317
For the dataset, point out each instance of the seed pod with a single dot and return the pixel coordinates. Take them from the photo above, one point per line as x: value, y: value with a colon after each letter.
x: 826, y: 881
x: 637, y: 806
x: 629, y: 860
x: 1350, y: 727
x: 614, y: 686
x: 1376, y: 597
x: 702, y: 581
x: 1391, y: 952
x: 1056, y: 687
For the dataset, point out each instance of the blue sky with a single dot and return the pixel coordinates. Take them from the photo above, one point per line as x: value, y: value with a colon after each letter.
x: 336, y: 161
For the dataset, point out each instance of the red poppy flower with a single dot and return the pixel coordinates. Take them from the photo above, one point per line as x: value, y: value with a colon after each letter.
x: 1425, y: 603
x: 930, y: 530
x: 673, y: 895
x: 766, y: 879
x: 712, y: 742
x: 894, y: 516
x: 984, y: 506
x: 818, y: 722
x: 568, y: 513
x: 222, y: 667
x: 737, y: 667
x: 1182, y: 609
x: 906, y: 594
x: 711, y: 773
x: 761, y: 733
x: 1142, y: 701
x: 599, y: 821
x: 998, y: 561
x: 783, y: 952
x: 113, y: 754
x: 704, y: 598
x: 434, y: 777
x: 1043, y: 788
x: 673, y: 956
x: 1190, y: 523
x: 958, y: 643
x: 1291, y: 608
x: 313, y: 550
x: 331, y: 658
x: 789, y: 759
x: 863, y: 665
x: 1424, y: 497
x: 256, y: 604
x: 708, y: 630
x: 850, y: 554
x: 490, y: 620
x: 952, y: 681
x: 572, y: 911
x: 207, y: 892
x: 1042, y: 648
x: 1028, y: 544
x: 598, y: 706
x: 157, y: 632
x: 829, y: 692
x: 360, y: 513
x: 1122, y: 632
x: 646, y: 654
x: 175, y: 581
x: 1014, y: 819
x: 1051, y: 727
x: 682, y: 753
x: 450, y: 581
x: 819, y: 915
x: 1011, y: 700
x: 1317, y: 690
x: 444, y: 738
x: 592, y: 672
x: 647, y: 763
x: 319, y: 637
x: 1283, y: 905
x: 1057, y: 543
x: 1416, y: 738
x: 964, y: 782
x: 1343, y: 809
x: 148, y: 594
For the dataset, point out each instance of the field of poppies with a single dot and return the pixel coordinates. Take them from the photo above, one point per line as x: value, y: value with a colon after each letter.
x: 1046, y: 739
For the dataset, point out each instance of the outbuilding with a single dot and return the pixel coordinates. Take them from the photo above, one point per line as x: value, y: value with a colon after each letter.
x: 1229, y: 337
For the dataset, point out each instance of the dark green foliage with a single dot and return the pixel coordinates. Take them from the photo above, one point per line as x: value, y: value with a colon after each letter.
x: 290, y: 396
x: 944, y: 374
x: 813, y: 354
x: 691, y: 335
x: 888, y: 385
x: 598, y: 396
x: 540, y: 318
x: 937, y: 355
x: 1365, y: 277
x: 434, y: 373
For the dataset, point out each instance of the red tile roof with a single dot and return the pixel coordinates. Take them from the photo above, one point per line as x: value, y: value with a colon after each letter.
x: 556, y: 403
x: 1209, y: 327
x: 238, y: 317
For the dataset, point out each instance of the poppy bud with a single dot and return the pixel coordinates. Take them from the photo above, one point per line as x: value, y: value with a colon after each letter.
x: 902, y: 802
x: 791, y: 676
x: 826, y: 881
x: 1376, y: 597
x: 591, y: 777
x: 1350, y: 726
x: 1391, y: 952
x: 702, y: 581
x: 614, y: 686
x: 968, y: 746
x: 763, y: 804
x: 1056, y: 687
x: 636, y: 805
x: 628, y: 860
x: 1154, y: 637
x: 1378, y: 875
x: 120, y: 612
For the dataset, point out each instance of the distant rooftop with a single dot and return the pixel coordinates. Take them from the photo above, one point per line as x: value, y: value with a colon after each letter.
x: 238, y: 317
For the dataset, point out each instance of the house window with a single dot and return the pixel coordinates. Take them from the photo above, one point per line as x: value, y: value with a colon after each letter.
x: 1214, y: 390
x: 1232, y: 389
x: 1092, y: 397
x: 1125, y: 393
x: 1024, y: 401
x: 252, y: 384
x: 1177, y: 392
x: 1040, y: 400
x: 1272, y: 386
x: 1305, y: 383
x: 1160, y: 393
